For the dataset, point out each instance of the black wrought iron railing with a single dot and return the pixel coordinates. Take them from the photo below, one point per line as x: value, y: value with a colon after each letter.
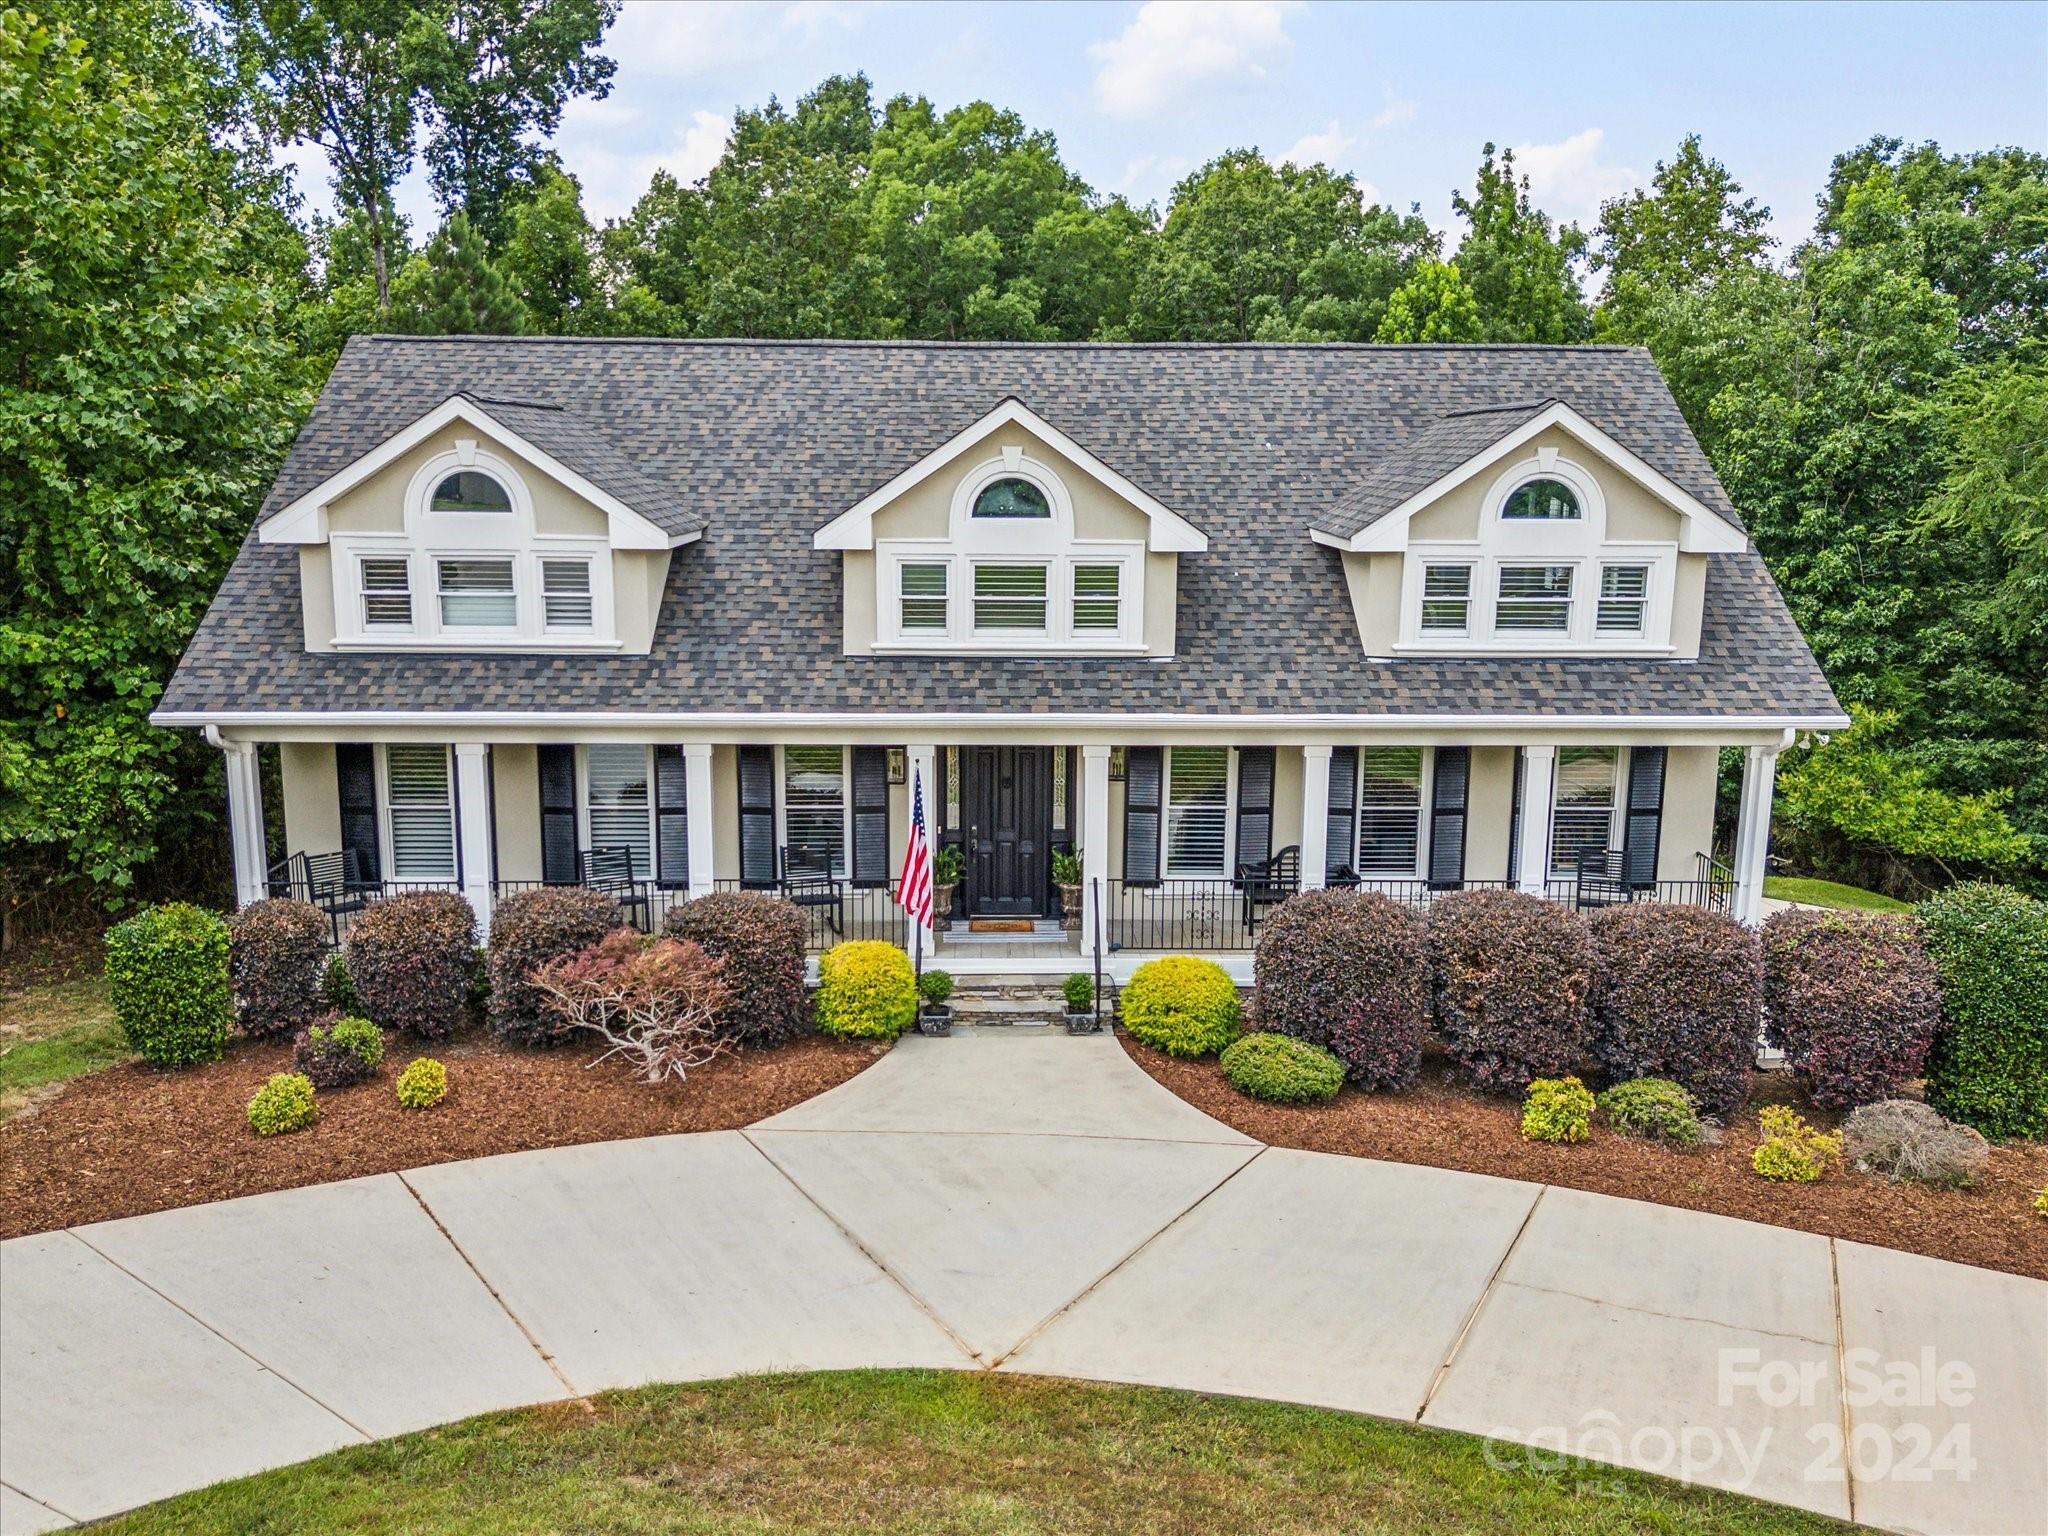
x: 842, y: 911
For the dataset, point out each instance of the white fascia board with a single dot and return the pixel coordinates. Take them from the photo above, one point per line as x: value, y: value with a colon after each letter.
x: 304, y: 520
x: 855, y: 527
x: 1704, y: 530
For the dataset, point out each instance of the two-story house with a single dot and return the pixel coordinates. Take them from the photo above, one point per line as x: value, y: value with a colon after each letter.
x: 668, y: 616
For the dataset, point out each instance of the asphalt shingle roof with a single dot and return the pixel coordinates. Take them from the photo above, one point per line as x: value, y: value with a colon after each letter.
x: 768, y: 441
x: 1418, y: 461
x: 582, y: 445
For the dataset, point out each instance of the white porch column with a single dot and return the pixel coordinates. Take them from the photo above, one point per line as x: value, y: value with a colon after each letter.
x: 1753, y: 831
x: 1094, y: 843
x: 1539, y: 789
x: 700, y: 814
x: 245, y: 820
x: 1315, y: 814
x: 473, y: 827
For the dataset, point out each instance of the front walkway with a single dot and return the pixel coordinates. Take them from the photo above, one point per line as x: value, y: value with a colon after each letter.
x: 1025, y: 1203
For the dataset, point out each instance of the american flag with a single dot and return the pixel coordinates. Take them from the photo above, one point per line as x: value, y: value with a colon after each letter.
x: 914, y: 885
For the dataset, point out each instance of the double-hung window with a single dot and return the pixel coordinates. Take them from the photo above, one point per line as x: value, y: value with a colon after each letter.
x: 1097, y: 597
x: 1624, y: 599
x: 617, y: 780
x: 566, y: 599
x: 1583, y: 820
x: 1390, y: 811
x: 1009, y: 597
x: 1446, y: 599
x: 477, y: 592
x: 421, y: 799
x: 1535, y: 598
x: 814, y: 806
x: 923, y: 587
x: 1197, y: 810
x: 387, y: 592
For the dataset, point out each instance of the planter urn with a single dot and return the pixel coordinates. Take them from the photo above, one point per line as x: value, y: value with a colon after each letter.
x: 935, y: 1019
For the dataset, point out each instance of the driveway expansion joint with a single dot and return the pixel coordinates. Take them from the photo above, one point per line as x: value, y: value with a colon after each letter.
x: 1493, y: 1283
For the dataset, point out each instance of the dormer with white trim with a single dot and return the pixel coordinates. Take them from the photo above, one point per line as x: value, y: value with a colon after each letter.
x: 1546, y: 538
x: 484, y: 526
x: 1010, y: 539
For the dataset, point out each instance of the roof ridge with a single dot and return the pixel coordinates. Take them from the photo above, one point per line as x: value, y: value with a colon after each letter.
x: 531, y: 405
x: 916, y: 343
x: 1494, y: 410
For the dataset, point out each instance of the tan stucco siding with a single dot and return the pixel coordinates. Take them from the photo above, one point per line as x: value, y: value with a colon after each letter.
x: 312, y: 798
x: 515, y: 798
x: 1489, y: 813
x: 1375, y: 585
x: 1688, y: 604
x: 316, y: 588
x: 857, y: 580
x: 1690, y: 776
x: 378, y: 504
x: 1162, y: 581
x: 1632, y: 512
x: 639, y: 577
x: 724, y: 814
x: 1287, y: 777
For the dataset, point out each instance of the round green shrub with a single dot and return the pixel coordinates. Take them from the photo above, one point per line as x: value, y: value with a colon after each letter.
x: 1557, y: 1109
x: 1654, y: 1108
x: 935, y: 986
x: 527, y: 931
x: 167, y: 975
x: 411, y: 958
x: 1989, y: 1064
x: 277, y: 954
x: 1344, y: 970
x: 283, y: 1104
x: 1677, y: 993
x: 1282, y: 1070
x: 1852, y: 1000
x: 423, y: 1084
x: 339, y: 1052
x: 1078, y: 992
x: 1509, y: 977
x: 1791, y: 1150
x: 866, y: 991
x: 761, y: 940
x: 1182, y: 1005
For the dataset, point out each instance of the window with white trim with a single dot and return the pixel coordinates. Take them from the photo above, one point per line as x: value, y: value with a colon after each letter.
x: 1541, y: 499
x: 387, y: 593
x: 1582, y: 817
x: 1097, y: 605
x: 618, y: 797
x: 923, y: 585
x: 477, y: 594
x: 1446, y: 599
x: 1197, y: 811
x: 419, y: 799
x: 1535, y: 597
x: 566, y: 599
x: 1624, y: 599
x: 814, y: 804
x: 1389, y: 811
x: 470, y: 490
x: 1009, y: 597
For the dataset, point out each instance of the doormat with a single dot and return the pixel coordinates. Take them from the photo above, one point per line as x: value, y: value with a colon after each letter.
x: 1000, y: 925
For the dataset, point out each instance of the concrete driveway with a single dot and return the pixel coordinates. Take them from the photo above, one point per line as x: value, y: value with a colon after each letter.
x: 1019, y: 1203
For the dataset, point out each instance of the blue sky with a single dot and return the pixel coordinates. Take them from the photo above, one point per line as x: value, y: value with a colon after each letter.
x: 1402, y: 96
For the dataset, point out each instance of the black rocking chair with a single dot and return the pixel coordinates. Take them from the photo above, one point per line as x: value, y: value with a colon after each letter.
x: 610, y: 870
x: 333, y: 882
x: 1267, y: 883
x: 807, y: 881
x: 1603, y: 880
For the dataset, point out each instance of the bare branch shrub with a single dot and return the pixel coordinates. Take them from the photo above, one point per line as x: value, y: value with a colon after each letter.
x: 1904, y: 1139
x: 654, y: 1001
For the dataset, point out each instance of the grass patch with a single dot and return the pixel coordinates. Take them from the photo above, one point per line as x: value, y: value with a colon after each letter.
x: 938, y: 1451
x: 1831, y: 893
x: 54, y: 1030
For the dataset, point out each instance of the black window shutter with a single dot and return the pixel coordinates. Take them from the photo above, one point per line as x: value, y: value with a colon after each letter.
x: 757, y: 817
x: 1515, y: 824
x: 671, y: 818
x: 1144, y: 773
x: 1341, y: 836
x: 871, y: 816
x: 355, y: 773
x: 1447, y: 818
x: 557, y: 814
x: 1254, y: 804
x: 1645, y: 821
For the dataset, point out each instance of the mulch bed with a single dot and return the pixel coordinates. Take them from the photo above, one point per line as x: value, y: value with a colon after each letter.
x: 1443, y: 1125
x: 132, y: 1139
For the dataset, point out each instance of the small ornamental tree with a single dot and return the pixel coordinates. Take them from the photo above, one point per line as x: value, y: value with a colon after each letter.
x: 761, y: 940
x: 1678, y: 994
x: 277, y: 955
x: 1509, y: 977
x: 1989, y: 1064
x: 653, y: 1001
x: 528, y: 931
x: 167, y: 974
x: 1851, y: 999
x: 411, y: 959
x: 1344, y: 970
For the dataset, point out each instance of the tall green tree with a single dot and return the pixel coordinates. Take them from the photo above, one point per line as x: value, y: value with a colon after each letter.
x: 150, y: 394
x: 1251, y: 250
x: 1523, y: 270
x: 549, y: 259
x: 455, y: 289
x: 335, y: 73
x: 1689, y: 229
x: 1435, y: 304
x: 495, y: 76
x: 648, y: 261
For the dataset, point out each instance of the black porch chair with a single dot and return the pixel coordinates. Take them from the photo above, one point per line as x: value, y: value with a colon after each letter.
x: 610, y: 870
x: 1603, y: 880
x: 1267, y: 883
x: 333, y: 882
x: 807, y: 881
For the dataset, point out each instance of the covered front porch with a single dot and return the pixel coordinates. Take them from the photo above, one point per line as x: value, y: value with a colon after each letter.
x: 1180, y: 845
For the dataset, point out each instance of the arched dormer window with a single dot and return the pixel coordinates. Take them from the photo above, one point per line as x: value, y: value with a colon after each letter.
x: 1543, y: 499
x: 1012, y: 497
x: 472, y: 568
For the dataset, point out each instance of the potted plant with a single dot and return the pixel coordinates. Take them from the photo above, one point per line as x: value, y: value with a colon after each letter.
x: 948, y: 865
x: 1079, y: 992
x: 1066, y: 874
x: 935, y: 986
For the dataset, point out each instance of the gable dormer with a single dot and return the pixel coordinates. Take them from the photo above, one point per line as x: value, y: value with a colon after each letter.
x: 484, y: 525
x: 1524, y: 530
x: 1010, y: 539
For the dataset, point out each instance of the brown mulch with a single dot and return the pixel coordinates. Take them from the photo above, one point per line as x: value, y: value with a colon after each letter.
x: 133, y: 1139
x: 1443, y: 1125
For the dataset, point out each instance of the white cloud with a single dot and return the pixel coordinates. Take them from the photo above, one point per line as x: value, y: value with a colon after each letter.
x: 1567, y: 180
x: 1172, y: 46
x: 614, y: 179
x: 1393, y: 114
x: 678, y: 40
x: 1326, y: 148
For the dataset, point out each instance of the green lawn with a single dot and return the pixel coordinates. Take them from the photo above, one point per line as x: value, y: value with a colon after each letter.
x: 904, y: 1451
x: 53, y: 1030
x: 1830, y: 893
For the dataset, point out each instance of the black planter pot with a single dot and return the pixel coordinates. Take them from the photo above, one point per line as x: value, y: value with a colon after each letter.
x: 935, y: 1019
x: 1083, y: 1023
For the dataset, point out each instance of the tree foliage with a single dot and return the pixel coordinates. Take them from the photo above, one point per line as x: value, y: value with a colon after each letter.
x: 453, y: 288
x: 1522, y: 270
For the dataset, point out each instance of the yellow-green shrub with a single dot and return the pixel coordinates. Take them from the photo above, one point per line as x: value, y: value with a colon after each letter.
x: 1282, y: 1070
x: 167, y: 974
x: 423, y: 1084
x: 1182, y: 1005
x: 866, y: 991
x: 2041, y: 1201
x: 1791, y: 1149
x: 1557, y: 1109
x: 285, y: 1103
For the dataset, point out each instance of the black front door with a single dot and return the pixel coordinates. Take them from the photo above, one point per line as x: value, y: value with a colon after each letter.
x: 1006, y: 793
